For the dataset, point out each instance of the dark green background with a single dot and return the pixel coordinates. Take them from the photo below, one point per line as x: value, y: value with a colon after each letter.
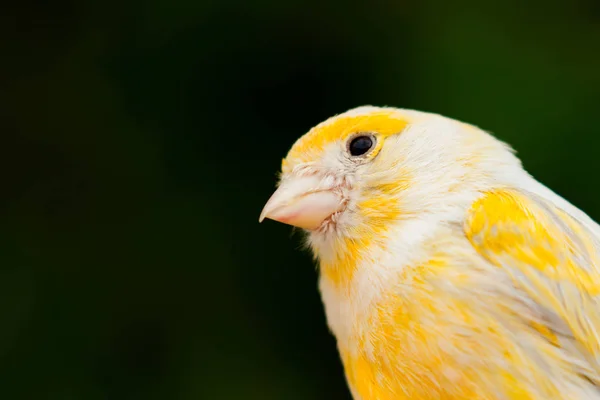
x: 140, y: 140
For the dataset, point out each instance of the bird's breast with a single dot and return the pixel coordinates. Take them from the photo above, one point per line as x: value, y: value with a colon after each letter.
x: 441, y: 328
x: 389, y: 340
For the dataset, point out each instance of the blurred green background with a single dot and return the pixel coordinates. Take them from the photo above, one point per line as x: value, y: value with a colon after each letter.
x: 140, y: 140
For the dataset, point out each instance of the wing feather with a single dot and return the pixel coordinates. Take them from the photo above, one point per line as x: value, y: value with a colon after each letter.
x: 550, y: 255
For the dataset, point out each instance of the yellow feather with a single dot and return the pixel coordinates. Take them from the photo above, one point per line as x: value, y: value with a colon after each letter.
x: 379, y: 212
x: 412, y: 347
x: 550, y: 255
x: 406, y: 352
x: 337, y: 129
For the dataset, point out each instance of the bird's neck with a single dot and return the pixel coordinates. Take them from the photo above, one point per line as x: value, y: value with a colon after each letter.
x: 356, y: 274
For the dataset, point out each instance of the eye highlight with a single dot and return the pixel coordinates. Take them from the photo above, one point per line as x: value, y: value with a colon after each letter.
x: 360, y: 145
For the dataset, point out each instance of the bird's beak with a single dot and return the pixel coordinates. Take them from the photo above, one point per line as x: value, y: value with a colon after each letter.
x: 303, y: 202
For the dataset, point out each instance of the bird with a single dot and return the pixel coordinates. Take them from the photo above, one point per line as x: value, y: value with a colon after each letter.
x: 446, y: 270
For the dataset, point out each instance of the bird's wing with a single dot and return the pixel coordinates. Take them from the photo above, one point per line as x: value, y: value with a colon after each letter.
x: 551, y: 256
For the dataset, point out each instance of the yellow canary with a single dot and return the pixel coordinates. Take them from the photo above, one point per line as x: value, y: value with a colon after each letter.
x: 446, y: 270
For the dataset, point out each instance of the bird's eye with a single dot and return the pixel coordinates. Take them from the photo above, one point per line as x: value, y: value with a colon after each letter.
x: 360, y: 145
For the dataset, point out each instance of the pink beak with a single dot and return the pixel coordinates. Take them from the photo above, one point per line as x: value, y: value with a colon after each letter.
x: 302, y: 202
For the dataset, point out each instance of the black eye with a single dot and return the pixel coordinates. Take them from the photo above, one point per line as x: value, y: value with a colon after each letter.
x: 360, y: 145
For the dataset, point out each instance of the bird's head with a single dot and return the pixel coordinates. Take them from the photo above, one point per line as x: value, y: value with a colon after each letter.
x: 357, y: 175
